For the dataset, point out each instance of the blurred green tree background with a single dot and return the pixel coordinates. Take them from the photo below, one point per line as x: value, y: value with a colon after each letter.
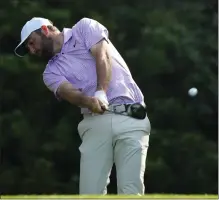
x: 170, y: 46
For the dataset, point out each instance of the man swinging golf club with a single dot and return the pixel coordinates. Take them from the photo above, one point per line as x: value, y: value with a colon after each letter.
x: 85, y: 69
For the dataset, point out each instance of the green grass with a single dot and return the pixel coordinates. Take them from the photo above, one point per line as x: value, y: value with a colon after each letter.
x: 151, y: 196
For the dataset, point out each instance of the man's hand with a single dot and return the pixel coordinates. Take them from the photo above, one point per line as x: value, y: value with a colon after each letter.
x: 101, y: 96
x: 96, y: 106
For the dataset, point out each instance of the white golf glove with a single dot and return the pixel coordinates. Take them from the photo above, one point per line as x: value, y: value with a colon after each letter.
x: 101, y: 95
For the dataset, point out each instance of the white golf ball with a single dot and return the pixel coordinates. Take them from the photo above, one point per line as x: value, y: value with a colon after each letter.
x: 193, y: 92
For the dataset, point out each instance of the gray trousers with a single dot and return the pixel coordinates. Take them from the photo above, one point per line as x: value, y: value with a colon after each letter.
x: 108, y: 139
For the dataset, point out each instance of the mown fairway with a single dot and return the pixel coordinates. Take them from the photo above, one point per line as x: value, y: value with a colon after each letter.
x: 153, y: 196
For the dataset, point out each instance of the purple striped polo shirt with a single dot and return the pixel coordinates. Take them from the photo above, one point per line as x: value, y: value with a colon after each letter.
x: 76, y: 65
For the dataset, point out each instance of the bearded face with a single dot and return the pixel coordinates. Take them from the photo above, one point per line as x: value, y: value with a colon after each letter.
x: 40, y: 45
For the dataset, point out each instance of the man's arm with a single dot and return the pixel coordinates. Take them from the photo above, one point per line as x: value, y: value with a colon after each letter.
x: 67, y: 92
x: 103, y: 64
x: 63, y: 89
x: 73, y: 96
x: 95, y: 37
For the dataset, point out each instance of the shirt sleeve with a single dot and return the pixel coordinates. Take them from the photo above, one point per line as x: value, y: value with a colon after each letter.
x: 53, y: 81
x: 92, y: 32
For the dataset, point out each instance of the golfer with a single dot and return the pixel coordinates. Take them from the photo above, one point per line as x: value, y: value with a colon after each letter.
x: 85, y: 69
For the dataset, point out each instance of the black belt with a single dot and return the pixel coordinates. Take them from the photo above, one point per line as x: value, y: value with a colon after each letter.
x: 136, y: 110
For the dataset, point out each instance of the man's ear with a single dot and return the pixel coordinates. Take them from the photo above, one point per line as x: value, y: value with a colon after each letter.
x: 45, y: 30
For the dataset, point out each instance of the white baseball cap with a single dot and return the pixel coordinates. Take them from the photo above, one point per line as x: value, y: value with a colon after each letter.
x: 30, y: 26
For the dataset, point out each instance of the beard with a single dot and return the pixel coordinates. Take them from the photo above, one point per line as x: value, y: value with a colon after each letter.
x: 47, y: 51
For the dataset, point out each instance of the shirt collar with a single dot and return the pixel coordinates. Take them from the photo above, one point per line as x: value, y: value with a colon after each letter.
x: 67, y: 32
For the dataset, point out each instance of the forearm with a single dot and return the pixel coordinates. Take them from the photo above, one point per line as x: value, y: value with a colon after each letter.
x: 73, y: 96
x: 104, y: 71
